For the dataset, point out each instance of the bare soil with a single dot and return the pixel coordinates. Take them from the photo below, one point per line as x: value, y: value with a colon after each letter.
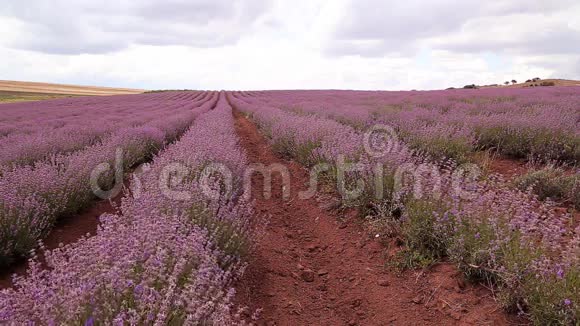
x: 48, y: 88
x: 508, y: 168
x: 11, y: 97
x: 316, y: 266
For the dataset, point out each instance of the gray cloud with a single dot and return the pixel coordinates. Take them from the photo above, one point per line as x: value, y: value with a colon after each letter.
x: 566, y: 67
x: 559, y: 40
x: 376, y: 28
x: 84, y: 26
x: 373, y: 28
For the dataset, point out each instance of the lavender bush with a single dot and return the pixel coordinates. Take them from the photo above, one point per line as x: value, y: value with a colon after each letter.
x: 552, y: 183
x: 76, y: 131
x: 34, y: 197
x: 498, y: 234
x: 161, y: 260
x: 541, y: 124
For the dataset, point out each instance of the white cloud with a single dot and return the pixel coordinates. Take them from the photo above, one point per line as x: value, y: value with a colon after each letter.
x: 256, y: 44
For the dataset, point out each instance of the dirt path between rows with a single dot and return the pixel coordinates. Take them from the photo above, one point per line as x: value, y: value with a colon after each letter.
x: 311, y: 268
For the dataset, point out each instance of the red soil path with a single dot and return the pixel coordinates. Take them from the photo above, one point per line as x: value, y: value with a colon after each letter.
x: 509, y: 168
x: 309, y: 268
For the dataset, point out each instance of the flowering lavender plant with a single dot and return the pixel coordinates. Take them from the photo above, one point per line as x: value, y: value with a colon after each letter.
x: 162, y: 259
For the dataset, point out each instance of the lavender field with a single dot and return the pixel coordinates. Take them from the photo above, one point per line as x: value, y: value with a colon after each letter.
x: 417, y: 167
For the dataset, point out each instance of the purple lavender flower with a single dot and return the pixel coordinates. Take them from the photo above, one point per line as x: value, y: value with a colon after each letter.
x: 155, y: 248
x: 90, y: 321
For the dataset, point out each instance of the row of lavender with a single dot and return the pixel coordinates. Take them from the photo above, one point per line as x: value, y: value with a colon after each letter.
x: 165, y: 258
x: 465, y: 126
x: 542, y: 124
x: 33, y: 197
x: 77, y: 130
x: 25, y: 117
x: 493, y: 233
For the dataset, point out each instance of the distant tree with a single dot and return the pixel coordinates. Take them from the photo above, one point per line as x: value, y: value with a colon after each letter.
x: 514, y: 81
x: 472, y: 86
x: 507, y: 83
x: 536, y: 79
x: 528, y: 81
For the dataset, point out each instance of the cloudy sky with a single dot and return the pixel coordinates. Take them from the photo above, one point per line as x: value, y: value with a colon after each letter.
x: 294, y: 44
